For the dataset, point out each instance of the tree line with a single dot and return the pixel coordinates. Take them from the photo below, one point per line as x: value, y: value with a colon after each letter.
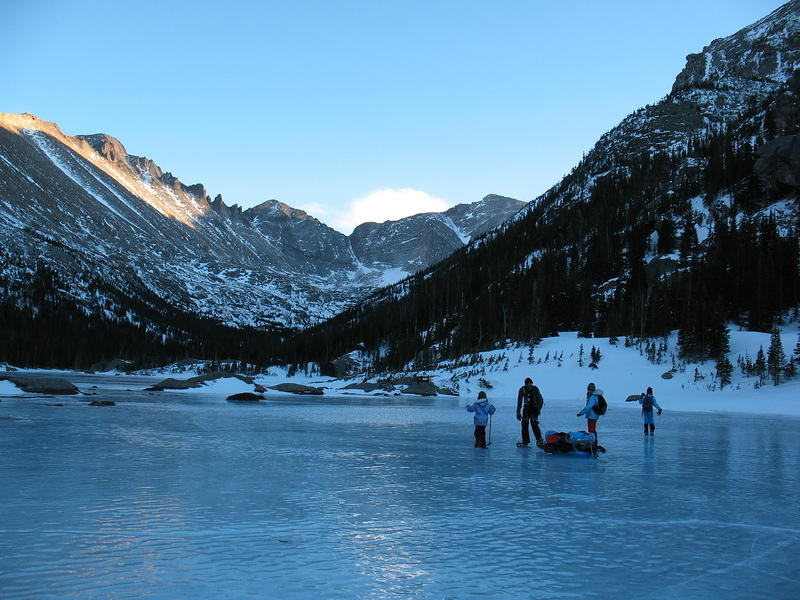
x: 44, y: 326
x: 582, y: 259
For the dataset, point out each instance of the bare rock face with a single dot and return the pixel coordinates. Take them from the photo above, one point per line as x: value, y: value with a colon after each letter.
x: 409, y: 244
x: 778, y: 163
x: 744, y: 58
x: 413, y: 243
x: 717, y: 86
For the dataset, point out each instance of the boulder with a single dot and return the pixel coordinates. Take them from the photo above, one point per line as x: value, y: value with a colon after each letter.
x: 102, y: 403
x: 368, y: 387
x: 447, y: 391
x: 245, y: 397
x: 42, y: 385
x: 296, y: 388
x: 171, y: 383
x: 421, y: 388
x: 344, y: 366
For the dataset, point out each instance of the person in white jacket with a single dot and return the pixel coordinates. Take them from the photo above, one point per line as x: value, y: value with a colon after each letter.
x: 482, y: 410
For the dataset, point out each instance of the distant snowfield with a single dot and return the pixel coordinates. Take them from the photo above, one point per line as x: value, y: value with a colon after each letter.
x: 624, y: 371
x: 621, y: 372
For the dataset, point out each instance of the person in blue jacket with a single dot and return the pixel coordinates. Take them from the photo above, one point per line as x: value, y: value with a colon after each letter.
x: 648, y: 402
x: 591, y: 401
x: 482, y: 410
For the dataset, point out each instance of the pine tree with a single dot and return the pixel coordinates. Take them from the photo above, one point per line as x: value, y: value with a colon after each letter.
x: 724, y: 371
x: 775, y: 357
x: 595, y: 354
x: 796, y: 353
x: 760, y: 366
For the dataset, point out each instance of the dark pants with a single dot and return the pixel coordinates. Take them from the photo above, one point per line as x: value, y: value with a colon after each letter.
x: 534, y: 423
x: 480, y: 436
x: 652, y: 427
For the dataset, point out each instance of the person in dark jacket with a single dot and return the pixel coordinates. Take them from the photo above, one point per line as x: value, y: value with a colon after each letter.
x: 482, y: 410
x: 529, y: 406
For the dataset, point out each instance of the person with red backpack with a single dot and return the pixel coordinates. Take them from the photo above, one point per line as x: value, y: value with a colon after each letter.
x: 648, y: 402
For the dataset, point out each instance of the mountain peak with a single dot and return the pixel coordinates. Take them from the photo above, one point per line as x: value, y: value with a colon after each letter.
x: 767, y: 52
x: 106, y: 146
x: 276, y: 208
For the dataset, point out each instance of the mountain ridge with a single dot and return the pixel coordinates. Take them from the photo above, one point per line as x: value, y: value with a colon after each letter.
x: 94, y: 215
x: 694, y: 192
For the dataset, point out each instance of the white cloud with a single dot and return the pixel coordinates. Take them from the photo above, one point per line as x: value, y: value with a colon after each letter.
x: 387, y: 205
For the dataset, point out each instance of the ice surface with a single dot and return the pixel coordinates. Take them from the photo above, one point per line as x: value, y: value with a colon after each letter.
x: 169, y: 495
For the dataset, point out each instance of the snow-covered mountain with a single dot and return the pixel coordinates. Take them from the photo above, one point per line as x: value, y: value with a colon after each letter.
x: 101, y: 218
x: 684, y: 216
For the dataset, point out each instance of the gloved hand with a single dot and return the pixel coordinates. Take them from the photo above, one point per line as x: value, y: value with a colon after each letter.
x: 578, y: 415
x: 658, y: 412
x: 519, y: 417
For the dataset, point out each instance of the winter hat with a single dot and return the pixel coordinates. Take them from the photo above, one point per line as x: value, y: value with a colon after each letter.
x: 650, y: 391
x: 591, y: 387
x: 528, y: 380
x: 481, y: 394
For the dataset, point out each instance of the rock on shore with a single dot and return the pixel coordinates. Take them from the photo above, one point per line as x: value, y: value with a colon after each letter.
x: 42, y: 385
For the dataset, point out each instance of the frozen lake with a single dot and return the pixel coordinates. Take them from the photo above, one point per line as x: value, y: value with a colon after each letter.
x: 172, y: 495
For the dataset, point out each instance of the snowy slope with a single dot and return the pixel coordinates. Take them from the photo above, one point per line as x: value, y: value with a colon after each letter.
x: 622, y: 370
x: 84, y: 207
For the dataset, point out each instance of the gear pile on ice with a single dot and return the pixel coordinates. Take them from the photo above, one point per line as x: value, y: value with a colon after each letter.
x: 572, y: 442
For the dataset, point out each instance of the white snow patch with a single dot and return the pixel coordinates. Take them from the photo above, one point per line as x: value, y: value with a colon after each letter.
x: 461, y: 235
x: 223, y: 387
x: 9, y: 389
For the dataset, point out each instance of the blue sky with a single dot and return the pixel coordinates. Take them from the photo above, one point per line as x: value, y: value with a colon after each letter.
x: 354, y: 110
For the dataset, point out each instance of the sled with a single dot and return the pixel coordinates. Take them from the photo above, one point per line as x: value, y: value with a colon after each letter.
x: 573, y: 442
